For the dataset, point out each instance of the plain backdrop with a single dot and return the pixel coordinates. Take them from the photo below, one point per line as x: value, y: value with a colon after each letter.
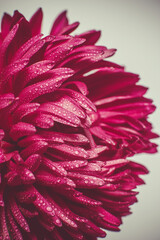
x: 133, y: 27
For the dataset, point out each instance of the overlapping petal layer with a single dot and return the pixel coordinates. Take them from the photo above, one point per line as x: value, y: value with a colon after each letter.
x: 68, y: 121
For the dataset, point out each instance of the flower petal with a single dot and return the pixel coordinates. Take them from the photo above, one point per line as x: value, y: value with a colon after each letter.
x: 4, y: 230
x: 69, y: 151
x: 91, y: 36
x: 60, y: 22
x: 22, y: 129
x: 23, y: 110
x: 26, y: 46
x: 6, y: 100
x: 60, y: 114
x: 18, y: 215
x: 36, y: 21
x: 33, y: 71
x: 50, y: 85
x: 5, y: 44
x: 80, y: 99
x: 5, y: 24
x: 12, y: 69
x: 15, y: 232
x: 37, y: 147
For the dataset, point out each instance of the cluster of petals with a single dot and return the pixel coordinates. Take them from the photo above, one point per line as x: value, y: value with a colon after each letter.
x: 69, y: 120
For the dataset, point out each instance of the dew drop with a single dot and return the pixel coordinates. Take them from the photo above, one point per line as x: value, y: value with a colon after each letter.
x: 49, y: 209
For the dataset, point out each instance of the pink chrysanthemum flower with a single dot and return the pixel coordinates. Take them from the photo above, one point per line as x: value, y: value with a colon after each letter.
x: 68, y: 120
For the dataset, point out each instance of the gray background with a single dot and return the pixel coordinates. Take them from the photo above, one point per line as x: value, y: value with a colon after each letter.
x: 133, y: 27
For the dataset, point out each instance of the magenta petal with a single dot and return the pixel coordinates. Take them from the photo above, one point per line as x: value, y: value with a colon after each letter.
x: 69, y: 122
x: 37, y: 46
x: 60, y: 114
x: 25, y: 142
x: 4, y: 231
x: 81, y: 56
x: 37, y: 147
x: 81, y: 100
x: 80, y: 85
x: 44, y: 208
x: 50, y: 85
x: 51, y: 137
x: 98, y: 131
x: 91, y: 36
x: 8, y: 39
x: 12, y: 69
x: 46, y: 179
x: 83, y: 181
x: 54, y: 167
x: 61, y: 25
x: 26, y: 46
x: 35, y: 22
x: 18, y: 215
x: 5, y: 25
x: 28, y: 195
x: 68, y: 103
x: 70, y: 28
x: 6, y: 100
x: 1, y: 134
x: 70, y: 151
x: 24, y: 109
x: 61, y: 50
x: 15, y: 232
x: 34, y: 71
x: 60, y: 22
x: 33, y: 162
x: 22, y: 129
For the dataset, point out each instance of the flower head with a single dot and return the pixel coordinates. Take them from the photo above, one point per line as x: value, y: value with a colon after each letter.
x: 68, y: 121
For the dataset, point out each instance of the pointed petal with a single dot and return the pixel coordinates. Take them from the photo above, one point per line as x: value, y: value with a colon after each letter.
x: 1, y: 134
x: 59, y: 52
x: 28, y: 195
x: 73, y: 165
x: 5, y: 231
x: 54, y: 167
x: 80, y: 85
x: 33, y: 162
x: 33, y: 71
x: 26, y: 46
x: 70, y: 28
x: 47, y: 179
x: 99, y: 132
x: 41, y: 120
x: 12, y: 69
x: 46, y: 86
x: 36, y: 47
x: 18, y: 215
x: 80, y: 99
x: 37, y: 147
x: 81, y: 57
x: 60, y: 22
x: 23, y: 110
x: 64, y: 137
x: 36, y: 21
x: 91, y: 36
x: 43, y: 205
x: 8, y: 39
x: 70, y: 105
x: 85, y: 181
x: 22, y: 129
x: 60, y: 114
x: 5, y: 24
x: 69, y: 151
x: 14, y: 230
x: 6, y: 99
